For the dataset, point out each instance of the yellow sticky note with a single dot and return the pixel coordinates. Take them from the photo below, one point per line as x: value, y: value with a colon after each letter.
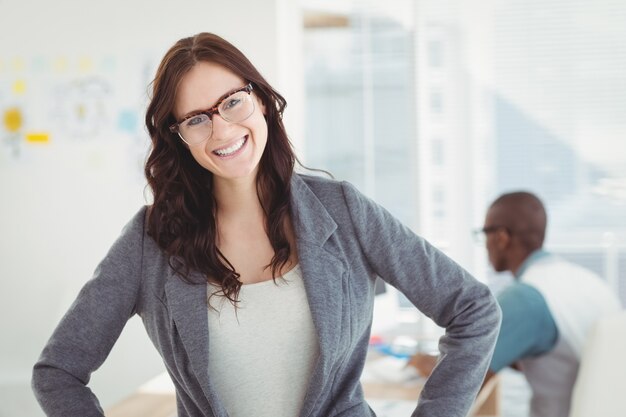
x: 12, y: 119
x: 85, y: 64
x: 38, y: 137
x: 19, y: 87
x: 60, y: 64
x: 18, y: 65
x: 81, y: 111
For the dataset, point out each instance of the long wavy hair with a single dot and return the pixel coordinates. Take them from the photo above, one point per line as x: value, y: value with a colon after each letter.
x: 182, y: 218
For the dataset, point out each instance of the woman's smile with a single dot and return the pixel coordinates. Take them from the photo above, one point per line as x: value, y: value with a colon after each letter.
x: 232, y: 150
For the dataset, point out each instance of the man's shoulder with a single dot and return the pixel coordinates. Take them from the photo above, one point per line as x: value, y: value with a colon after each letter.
x: 564, y: 282
x: 553, y: 265
x: 520, y: 295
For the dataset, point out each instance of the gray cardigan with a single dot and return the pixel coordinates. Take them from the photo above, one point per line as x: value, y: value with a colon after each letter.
x: 344, y: 240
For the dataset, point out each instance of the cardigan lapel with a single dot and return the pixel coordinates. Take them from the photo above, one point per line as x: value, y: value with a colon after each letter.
x: 188, y: 306
x: 324, y: 274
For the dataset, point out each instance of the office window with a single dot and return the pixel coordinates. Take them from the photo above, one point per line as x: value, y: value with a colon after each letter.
x: 436, y: 101
x: 438, y: 152
x: 360, y: 107
x: 435, y: 53
x: 446, y: 99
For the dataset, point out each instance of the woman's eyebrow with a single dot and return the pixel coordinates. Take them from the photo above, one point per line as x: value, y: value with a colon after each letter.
x: 198, y: 111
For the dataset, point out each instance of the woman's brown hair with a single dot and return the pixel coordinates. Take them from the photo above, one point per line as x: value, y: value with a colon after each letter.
x: 182, y: 217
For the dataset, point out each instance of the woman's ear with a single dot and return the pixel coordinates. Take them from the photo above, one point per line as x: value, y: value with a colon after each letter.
x: 261, y: 105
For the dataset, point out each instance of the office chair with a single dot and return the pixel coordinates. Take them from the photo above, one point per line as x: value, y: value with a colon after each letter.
x: 600, y: 388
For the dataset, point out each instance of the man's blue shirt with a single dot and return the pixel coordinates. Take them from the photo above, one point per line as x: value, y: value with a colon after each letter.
x: 528, y: 328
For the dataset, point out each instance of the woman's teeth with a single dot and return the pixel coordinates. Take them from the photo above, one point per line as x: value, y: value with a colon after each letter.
x: 231, y: 149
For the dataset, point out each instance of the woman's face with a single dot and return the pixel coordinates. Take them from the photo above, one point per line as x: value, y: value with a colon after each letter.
x: 233, y: 150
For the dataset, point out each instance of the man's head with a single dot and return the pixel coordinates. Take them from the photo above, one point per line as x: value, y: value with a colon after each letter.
x: 515, y: 226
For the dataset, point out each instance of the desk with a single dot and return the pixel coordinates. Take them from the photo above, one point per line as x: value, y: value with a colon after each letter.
x: 386, y: 379
x: 156, y: 398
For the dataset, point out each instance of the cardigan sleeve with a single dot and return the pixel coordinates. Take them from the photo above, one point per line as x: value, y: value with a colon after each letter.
x: 440, y: 289
x: 84, y: 337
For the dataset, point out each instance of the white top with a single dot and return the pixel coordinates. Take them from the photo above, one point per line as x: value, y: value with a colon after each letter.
x: 577, y: 298
x: 261, y: 356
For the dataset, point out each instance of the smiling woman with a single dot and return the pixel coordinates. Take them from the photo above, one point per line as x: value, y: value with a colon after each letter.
x: 256, y: 284
x: 227, y: 158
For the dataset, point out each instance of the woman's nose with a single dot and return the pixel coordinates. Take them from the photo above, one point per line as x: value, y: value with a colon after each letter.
x: 219, y: 126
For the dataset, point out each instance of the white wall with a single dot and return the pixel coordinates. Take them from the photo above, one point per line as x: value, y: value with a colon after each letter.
x: 63, y: 204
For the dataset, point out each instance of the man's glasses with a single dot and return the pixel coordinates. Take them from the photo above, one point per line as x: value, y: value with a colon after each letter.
x: 480, y: 235
x: 234, y: 107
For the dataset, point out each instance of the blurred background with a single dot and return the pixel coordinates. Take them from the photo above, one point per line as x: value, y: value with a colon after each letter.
x: 431, y: 107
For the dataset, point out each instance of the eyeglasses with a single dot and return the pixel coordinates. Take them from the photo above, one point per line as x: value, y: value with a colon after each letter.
x: 234, y: 107
x: 480, y: 235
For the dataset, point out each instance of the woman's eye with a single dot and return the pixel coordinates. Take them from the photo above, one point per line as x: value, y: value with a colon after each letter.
x: 197, y: 120
x: 231, y: 102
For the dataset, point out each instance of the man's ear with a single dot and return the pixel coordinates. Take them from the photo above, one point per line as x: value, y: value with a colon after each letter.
x: 503, y: 238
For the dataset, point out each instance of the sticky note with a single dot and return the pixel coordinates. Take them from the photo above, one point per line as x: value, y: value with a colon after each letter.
x: 39, y: 64
x: 18, y: 65
x: 81, y: 111
x: 85, y: 64
x: 38, y: 137
x: 60, y: 64
x: 19, y: 87
x: 108, y: 64
x: 12, y: 119
x: 127, y: 121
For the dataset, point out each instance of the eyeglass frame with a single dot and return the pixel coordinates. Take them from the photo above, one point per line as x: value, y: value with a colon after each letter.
x: 175, y: 128
x: 489, y: 229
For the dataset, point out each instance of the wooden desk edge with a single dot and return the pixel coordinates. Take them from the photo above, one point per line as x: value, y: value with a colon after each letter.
x: 487, y: 402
